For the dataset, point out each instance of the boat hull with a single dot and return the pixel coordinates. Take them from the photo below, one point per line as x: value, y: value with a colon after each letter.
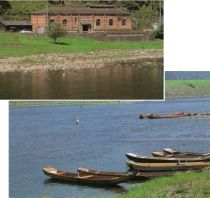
x: 84, y: 178
x: 145, y: 159
x: 167, y: 166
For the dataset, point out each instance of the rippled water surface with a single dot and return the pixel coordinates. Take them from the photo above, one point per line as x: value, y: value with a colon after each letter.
x: 124, y: 81
x: 48, y: 136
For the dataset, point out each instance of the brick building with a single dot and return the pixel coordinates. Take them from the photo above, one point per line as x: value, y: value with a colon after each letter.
x: 83, y: 19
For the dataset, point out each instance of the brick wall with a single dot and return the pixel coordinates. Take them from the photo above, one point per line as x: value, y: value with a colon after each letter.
x: 76, y: 23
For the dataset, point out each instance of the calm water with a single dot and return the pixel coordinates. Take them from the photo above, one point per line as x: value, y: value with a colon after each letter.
x: 133, y: 81
x: 48, y: 136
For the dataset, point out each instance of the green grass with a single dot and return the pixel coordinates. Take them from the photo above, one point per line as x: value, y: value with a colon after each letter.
x: 14, y: 104
x: 187, y: 88
x: 190, y: 83
x: 15, y: 44
x: 177, y: 186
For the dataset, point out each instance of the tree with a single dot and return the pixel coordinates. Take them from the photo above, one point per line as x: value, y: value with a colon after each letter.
x: 4, y: 5
x: 55, y: 30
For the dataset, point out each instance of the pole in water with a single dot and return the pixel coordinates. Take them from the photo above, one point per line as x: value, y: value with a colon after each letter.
x: 77, y: 121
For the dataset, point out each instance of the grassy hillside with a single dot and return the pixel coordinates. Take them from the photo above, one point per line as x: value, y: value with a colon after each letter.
x: 185, y: 88
x: 178, y: 186
x: 15, y: 44
x: 189, y: 83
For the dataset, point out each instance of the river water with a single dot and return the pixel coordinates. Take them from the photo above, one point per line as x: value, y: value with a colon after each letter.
x: 121, y: 81
x: 48, y: 136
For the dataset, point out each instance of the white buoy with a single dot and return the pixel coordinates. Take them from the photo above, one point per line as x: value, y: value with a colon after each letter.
x: 77, y: 121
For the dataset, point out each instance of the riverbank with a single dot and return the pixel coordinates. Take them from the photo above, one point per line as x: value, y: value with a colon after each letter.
x: 187, y: 88
x: 177, y: 186
x: 16, y: 45
x: 80, y: 60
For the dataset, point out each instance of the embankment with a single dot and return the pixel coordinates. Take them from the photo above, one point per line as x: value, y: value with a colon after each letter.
x: 80, y: 60
x: 177, y: 186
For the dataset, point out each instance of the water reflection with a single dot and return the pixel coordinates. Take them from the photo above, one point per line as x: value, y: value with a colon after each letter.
x: 133, y: 81
x: 113, y: 189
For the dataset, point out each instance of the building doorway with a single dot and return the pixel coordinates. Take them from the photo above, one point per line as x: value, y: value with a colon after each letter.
x: 85, y: 28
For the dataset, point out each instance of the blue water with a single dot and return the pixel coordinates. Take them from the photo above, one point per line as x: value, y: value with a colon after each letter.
x: 48, y: 136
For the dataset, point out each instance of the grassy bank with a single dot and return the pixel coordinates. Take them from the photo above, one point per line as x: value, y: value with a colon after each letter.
x: 15, y: 44
x: 185, y: 88
x: 14, y: 104
x: 177, y: 186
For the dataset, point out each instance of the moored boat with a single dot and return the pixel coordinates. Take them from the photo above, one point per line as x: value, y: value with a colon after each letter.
x: 104, y: 180
x: 183, y: 166
x: 96, y: 172
x: 171, y: 153
x: 173, y: 115
x: 146, y: 159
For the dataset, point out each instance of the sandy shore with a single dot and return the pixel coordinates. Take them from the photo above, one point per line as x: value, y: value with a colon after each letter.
x: 65, y: 61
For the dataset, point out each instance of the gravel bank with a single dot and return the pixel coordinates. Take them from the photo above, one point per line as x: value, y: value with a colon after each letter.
x: 80, y: 60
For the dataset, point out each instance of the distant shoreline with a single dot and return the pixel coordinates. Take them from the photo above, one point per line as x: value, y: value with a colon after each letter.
x: 17, y: 104
x: 187, y: 88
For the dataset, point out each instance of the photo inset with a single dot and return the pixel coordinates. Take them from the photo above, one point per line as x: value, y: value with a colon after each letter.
x: 81, y: 50
x: 68, y: 149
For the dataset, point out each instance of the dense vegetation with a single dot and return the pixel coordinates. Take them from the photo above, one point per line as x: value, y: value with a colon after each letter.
x: 144, y: 13
x: 177, y: 186
x: 15, y: 44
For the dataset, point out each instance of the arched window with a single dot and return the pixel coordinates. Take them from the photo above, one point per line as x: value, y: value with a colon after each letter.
x: 64, y: 22
x: 52, y: 21
x: 75, y: 20
x: 123, y: 22
x: 110, y: 22
x: 98, y: 22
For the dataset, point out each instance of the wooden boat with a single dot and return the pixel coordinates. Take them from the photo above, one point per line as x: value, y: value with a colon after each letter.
x: 104, y: 180
x: 167, y: 166
x: 173, y: 151
x: 170, y: 153
x: 173, y: 115
x: 95, y: 172
x: 133, y: 175
x: 146, y: 159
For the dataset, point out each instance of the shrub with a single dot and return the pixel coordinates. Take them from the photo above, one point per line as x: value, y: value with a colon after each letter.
x: 159, y: 32
x: 55, y: 31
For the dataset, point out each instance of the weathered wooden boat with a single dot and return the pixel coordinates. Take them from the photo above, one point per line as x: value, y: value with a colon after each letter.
x: 184, y: 166
x: 104, y: 180
x: 146, y: 159
x: 95, y: 172
x: 173, y: 151
x: 159, y: 116
x: 133, y: 175
x: 170, y: 153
